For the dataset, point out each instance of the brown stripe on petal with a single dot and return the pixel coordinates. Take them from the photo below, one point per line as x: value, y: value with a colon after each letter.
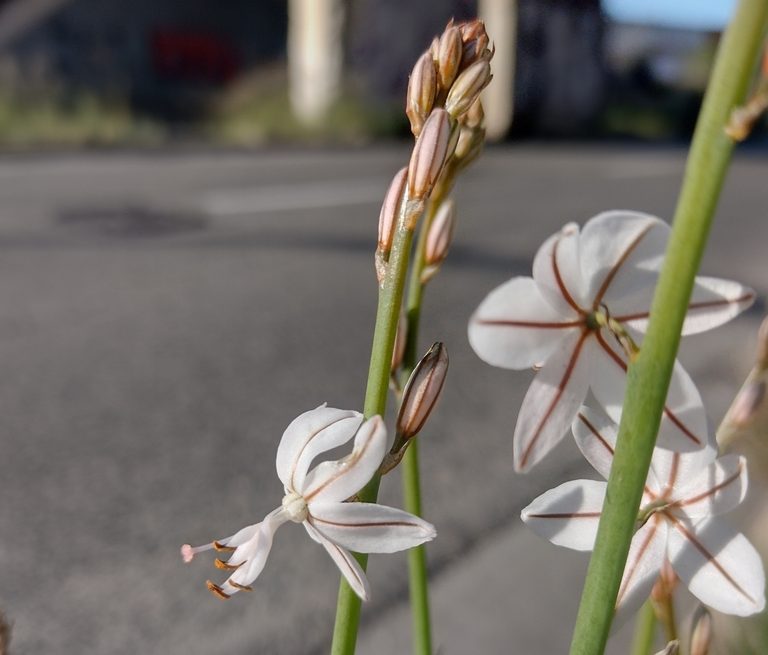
x: 617, y: 265
x: 710, y: 492
x: 566, y: 515
x: 346, y: 556
x: 528, y: 324
x: 632, y: 570
x: 705, y: 304
x: 667, y: 412
x: 560, y: 389
x: 370, y: 524
x: 673, y: 471
x: 216, y: 590
x: 709, y: 557
x: 560, y: 283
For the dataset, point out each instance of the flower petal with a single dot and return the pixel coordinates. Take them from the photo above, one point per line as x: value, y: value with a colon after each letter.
x: 370, y: 528
x: 674, y: 470
x: 568, y: 515
x: 719, y: 565
x: 646, y: 555
x: 338, y: 480
x: 552, y: 401
x: 309, y: 435
x: 621, y: 252
x: 557, y: 271
x: 714, y: 302
x: 514, y: 327
x: 684, y: 422
x: 350, y: 569
x: 595, y: 436
x: 718, y: 488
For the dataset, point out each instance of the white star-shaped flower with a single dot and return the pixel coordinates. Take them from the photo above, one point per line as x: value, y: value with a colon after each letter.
x: 679, y: 521
x: 577, y: 318
x: 315, y: 498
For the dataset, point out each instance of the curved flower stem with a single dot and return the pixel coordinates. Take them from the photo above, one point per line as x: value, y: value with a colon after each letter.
x: 645, y: 631
x: 387, y: 315
x: 649, y: 376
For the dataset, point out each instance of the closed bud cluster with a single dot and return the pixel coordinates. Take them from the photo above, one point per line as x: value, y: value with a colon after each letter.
x: 467, y: 87
x: 439, y: 239
x: 475, y: 42
x: 422, y: 89
x: 430, y: 153
x: 421, y: 393
x: 701, y: 632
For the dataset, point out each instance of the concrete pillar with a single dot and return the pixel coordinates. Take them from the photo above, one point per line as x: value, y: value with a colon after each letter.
x: 315, y: 57
x: 500, y: 18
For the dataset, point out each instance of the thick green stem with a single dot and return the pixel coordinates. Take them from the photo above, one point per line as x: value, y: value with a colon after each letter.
x: 645, y: 631
x: 649, y: 376
x: 387, y: 315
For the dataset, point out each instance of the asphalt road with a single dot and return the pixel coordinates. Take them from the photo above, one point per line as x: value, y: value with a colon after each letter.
x: 164, y: 316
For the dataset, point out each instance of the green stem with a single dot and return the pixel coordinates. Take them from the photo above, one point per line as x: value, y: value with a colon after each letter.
x: 417, y: 557
x: 645, y: 631
x: 387, y: 316
x: 649, y: 376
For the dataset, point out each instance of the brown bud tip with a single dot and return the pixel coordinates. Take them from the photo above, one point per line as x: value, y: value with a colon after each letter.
x: 422, y: 88
x: 389, y: 210
x: 701, y: 631
x: 429, y: 154
x: 762, y: 345
x: 440, y: 234
x: 449, y: 52
x: 467, y: 87
x: 422, y: 391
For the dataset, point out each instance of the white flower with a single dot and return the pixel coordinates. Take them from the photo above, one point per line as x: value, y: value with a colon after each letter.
x: 315, y: 498
x: 589, y: 294
x: 683, y: 496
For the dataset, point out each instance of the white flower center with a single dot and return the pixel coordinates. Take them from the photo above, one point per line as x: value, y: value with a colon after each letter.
x: 295, y: 506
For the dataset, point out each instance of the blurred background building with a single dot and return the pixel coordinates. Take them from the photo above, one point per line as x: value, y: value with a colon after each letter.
x: 245, y: 72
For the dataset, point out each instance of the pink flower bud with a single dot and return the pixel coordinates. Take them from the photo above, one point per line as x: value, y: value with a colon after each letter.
x: 389, y: 210
x: 422, y: 88
x: 440, y: 234
x: 467, y: 87
x: 701, y: 633
x: 449, y: 54
x: 429, y: 154
x: 421, y: 392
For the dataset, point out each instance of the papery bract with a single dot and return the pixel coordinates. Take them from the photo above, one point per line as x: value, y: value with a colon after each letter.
x: 679, y: 516
x: 315, y: 498
x: 578, y: 319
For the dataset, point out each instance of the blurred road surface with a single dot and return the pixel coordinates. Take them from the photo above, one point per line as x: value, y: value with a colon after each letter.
x: 164, y: 316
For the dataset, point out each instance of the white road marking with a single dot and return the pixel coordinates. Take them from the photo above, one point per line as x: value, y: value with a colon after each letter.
x: 287, y: 197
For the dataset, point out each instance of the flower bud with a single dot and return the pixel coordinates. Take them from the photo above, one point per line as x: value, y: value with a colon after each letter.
x: 475, y: 115
x: 400, y: 339
x: 429, y: 154
x: 422, y: 89
x: 449, y: 53
x: 389, y: 210
x: 672, y: 648
x: 421, y: 393
x: 476, y: 41
x: 762, y: 345
x: 747, y: 403
x: 701, y: 632
x: 469, y: 146
x: 467, y: 87
x: 440, y: 234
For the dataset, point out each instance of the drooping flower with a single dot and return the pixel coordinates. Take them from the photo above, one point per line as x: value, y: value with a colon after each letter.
x: 315, y: 498
x: 579, y: 318
x: 679, y: 521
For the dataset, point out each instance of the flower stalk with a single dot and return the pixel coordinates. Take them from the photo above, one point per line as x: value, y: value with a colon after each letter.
x: 649, y: 375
